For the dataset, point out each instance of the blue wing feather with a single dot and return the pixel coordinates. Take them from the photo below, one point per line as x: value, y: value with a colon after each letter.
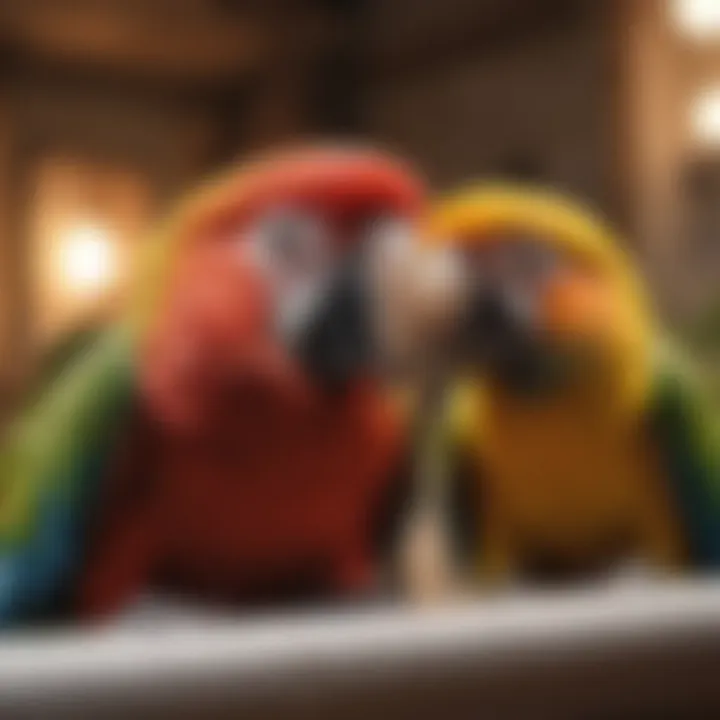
x: 71, y: 433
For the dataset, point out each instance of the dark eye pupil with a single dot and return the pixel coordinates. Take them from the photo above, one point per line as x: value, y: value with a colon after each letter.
x: 286, y: 240
x: 291, y: 240
x: 536, y: 260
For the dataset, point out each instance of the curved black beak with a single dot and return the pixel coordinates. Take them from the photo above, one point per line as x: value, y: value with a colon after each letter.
x: 338, y: 345
x: 499, y: 334
x: 493, y: 327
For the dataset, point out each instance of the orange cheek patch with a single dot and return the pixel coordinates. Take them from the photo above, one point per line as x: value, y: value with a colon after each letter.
x: 578, y: 304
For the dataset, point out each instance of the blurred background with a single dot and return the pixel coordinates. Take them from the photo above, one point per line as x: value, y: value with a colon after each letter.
x: 110, y: 108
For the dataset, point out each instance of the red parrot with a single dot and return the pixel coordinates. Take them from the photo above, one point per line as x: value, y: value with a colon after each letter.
x: 260, y: 450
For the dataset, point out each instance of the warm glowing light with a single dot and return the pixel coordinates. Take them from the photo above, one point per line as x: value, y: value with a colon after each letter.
x: 705, y: 117
x: 88, y: 258
x: 699, y: 19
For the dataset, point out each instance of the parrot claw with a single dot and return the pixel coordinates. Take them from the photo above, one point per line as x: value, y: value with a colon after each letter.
x: 429, y: 575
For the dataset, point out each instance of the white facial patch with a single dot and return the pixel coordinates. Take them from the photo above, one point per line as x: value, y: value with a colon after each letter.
x: 297, y: 305
x: 294, y: 250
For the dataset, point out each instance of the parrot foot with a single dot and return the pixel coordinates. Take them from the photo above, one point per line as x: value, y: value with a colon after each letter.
x: 428, y: 572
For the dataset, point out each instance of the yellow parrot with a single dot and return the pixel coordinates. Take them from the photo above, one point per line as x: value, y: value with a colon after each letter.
x: 573, y: 439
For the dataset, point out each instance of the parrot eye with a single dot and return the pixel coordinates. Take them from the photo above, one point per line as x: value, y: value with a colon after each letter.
x: 532, y: 262
x: 295, y: 250
x: 481, y: 266
x: 291, y: 243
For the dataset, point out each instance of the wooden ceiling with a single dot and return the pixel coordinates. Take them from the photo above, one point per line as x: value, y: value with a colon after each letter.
x: 220, y: 40
x: 196, y: 40
x: 439, y: 31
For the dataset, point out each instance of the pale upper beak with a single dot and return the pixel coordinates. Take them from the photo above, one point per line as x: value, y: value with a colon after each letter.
x: 421, y: 298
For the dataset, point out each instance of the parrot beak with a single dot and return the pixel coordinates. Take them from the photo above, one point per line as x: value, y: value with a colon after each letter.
x: 337, y: 343
x: 500, y: 334
x: 417, y: 296
x: 379, y: 315
x: 435, y: 298
x: 351, y: 320
x: 496, y: 325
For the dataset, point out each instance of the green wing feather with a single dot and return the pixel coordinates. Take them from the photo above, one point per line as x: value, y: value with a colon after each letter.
x: 51, y: 462
x: 57, y: 359
x: 687, y: 433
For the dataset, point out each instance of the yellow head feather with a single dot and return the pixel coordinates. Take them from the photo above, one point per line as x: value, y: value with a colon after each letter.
x: 472, y: 215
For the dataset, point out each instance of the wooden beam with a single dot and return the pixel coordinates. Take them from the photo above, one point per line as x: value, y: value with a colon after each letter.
x: 15, y: 280
x: 136, y: 36
x: 484, y: 32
